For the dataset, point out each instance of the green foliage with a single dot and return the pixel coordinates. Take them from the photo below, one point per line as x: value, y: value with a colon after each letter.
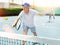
x: 12, y: 11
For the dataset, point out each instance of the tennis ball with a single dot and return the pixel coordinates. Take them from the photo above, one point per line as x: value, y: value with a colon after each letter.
x: 5, y: 18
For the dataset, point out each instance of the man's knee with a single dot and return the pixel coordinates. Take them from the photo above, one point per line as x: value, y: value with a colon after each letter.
x: 25, y: 32
x: 35, y: 34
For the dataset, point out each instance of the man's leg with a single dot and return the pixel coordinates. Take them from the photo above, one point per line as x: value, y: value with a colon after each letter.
x: 49, y: 18
x: 35, y: 34
x: 25, y: 33
x: 33, y: 30
x: 53, y: 16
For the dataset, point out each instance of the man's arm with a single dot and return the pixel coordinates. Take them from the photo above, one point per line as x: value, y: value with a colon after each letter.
x: 17, y: 19
x: 40, y: 14
x: 15, y: 22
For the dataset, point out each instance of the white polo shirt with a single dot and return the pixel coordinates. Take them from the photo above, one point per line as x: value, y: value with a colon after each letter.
x: 28, y: 19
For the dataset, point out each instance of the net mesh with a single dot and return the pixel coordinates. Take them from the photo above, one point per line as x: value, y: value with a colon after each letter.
x: 15, y: 39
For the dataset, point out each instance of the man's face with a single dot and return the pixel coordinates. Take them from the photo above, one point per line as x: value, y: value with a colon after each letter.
x: 25, y: 8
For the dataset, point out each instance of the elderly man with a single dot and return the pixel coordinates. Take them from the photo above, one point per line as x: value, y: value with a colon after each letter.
x: 27, y: 15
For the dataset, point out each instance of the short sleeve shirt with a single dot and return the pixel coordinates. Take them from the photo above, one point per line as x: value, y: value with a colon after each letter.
x: 28, y: 19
